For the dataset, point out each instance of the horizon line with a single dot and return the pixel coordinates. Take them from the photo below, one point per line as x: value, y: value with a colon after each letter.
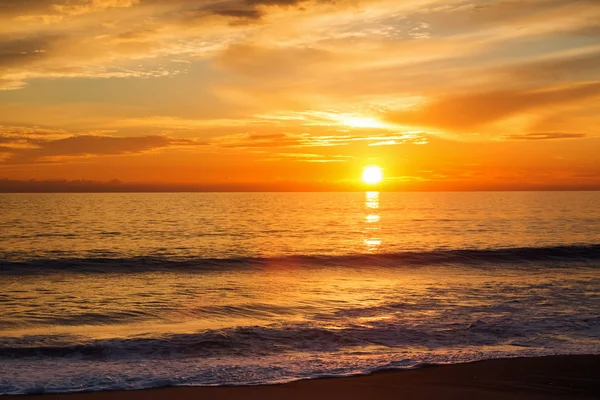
x: 300, y: 191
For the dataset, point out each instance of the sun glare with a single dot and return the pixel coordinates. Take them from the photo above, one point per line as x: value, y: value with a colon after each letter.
x: 361, y: 122
x: 372, y: 175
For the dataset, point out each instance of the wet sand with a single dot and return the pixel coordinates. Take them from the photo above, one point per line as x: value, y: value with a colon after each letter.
x: 556, y: 377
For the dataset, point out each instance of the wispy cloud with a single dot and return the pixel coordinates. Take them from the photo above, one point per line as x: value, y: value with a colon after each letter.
x: 546, y: 136
x: 28, y: 148
x: 309, y: 140
x: 474, y: 110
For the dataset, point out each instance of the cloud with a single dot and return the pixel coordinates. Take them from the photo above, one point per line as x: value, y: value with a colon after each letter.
x: 297, y: 56
x: 517, y: 14
x: 567, y: 67
x: 474, y: 110
x: 272, y: 63
x: 49, y: 7
x: 249, y: 10
x: 108, y: 38
x: 91, y: 6
x: 123, y: 38
x: 12, y: 7
x: 29, y: 132
x: 40, y: 150
x: 20, y: 52
x: 281, y: 140
x: 546, y: 136
x: 248, y: 140
x: 245, y: 14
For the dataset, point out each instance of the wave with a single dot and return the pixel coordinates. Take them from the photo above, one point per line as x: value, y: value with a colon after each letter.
x: 257, y: 341
x: 78, y: 376
x: 520, y: 255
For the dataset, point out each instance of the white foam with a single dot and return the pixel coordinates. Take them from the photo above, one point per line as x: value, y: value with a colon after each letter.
x: 26, y: 376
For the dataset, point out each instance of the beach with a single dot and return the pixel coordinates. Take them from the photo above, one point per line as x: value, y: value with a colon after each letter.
x: 554, y: 377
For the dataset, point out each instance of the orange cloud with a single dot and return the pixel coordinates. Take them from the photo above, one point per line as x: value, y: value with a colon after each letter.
x: 311, y: 140
x: 546, y: 136
x: 475, y: 110
x: 43, y: 150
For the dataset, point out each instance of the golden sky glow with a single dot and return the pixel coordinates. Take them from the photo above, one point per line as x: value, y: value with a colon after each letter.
x: 300, y: 95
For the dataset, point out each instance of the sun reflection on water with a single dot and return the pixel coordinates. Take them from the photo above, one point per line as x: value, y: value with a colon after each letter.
x: 372, y: 200
x: 372, y: 220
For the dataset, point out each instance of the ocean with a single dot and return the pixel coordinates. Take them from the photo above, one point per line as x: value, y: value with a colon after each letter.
x: 129, y: 291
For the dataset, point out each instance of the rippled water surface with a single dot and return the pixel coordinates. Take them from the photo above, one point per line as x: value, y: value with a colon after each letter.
x: 123, y: 291
x: 275, y: 224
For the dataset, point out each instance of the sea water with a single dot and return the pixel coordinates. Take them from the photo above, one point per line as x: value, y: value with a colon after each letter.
x: 128, y: 291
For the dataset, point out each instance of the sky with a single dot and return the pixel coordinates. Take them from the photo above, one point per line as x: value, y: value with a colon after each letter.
x: 299, y: 95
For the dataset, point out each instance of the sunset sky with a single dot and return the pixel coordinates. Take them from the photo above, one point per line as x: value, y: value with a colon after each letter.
x: 300, y: 95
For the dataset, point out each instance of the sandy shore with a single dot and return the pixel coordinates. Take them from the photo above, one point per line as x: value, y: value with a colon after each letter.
x: 559, y: 377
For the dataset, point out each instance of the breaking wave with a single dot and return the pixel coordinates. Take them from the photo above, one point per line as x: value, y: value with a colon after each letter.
x: 522, y: 255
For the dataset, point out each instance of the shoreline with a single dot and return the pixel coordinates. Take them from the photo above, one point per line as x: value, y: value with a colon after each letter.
x: 549, y: 377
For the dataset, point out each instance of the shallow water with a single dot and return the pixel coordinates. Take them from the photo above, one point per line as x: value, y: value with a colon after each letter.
x: 123, y: 291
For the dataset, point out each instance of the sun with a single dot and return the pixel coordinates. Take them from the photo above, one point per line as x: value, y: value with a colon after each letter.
x: 372, y: 175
